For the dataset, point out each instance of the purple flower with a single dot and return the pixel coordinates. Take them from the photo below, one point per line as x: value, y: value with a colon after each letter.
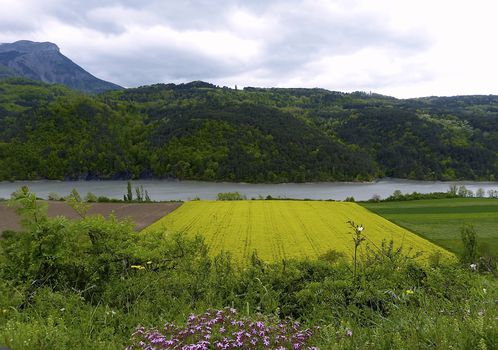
x: 223, y: 329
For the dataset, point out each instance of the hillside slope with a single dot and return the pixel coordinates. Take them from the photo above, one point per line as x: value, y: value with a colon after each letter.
x: 200, y: 131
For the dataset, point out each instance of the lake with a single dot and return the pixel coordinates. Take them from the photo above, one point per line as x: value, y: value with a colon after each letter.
x: 187, y: 190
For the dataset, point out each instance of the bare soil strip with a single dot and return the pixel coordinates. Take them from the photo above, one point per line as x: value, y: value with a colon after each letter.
x: 142, y: 214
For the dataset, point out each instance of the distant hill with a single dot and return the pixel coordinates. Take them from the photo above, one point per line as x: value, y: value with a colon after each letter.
x: 200, y: 131
x: 44, y: 62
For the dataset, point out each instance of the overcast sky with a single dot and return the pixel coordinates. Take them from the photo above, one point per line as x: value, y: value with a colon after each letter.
x: 394, y: 47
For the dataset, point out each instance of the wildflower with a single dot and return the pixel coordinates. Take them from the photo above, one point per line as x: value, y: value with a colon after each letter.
x: 360, y: 228
x: 484, y: 290
x: 473, y: 267
x: 349, y: 333
x: 243, y: 333
x: 408, y: 291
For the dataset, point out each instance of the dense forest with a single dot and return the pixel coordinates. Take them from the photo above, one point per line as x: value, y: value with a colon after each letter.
x: 205, y: 132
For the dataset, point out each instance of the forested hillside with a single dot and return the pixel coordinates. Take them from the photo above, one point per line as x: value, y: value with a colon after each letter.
x: 201, y: 131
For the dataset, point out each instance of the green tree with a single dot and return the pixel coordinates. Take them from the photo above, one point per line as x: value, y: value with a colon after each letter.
x: 129, y: 196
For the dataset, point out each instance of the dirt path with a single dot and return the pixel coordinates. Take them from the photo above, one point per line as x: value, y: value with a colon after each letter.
x: 142, y: 214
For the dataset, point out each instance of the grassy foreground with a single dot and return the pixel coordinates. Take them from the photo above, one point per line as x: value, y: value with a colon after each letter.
x: 285, y: 229
x: 440, y: 220
x: 87, y: 284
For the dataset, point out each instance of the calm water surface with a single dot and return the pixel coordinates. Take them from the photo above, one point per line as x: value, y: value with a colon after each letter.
x: 186, y: 190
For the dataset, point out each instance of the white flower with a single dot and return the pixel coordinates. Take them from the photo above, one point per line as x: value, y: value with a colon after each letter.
x: 473, y: 267
x: 360, y: 228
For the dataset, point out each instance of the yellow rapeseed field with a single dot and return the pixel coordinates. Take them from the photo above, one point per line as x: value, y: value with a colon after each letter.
x: 285, y: 229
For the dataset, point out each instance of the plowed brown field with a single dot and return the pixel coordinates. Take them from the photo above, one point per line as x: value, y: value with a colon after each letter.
x: 142, y: 214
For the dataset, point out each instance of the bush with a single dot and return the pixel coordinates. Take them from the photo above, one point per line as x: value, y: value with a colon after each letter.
x: 230, y: 196
x: 332, y: 256
x: 91, y: 198
x: 375, y: 198
x: 469, y: 240
x: 52, y: 196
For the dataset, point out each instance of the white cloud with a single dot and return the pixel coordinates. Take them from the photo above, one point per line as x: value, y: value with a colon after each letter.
x: 399, y: 48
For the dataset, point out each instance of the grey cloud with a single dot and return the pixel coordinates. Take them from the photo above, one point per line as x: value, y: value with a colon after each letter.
x: 14, y: 26
x: 182, y: 15
x: 306, y: 37
x: 310, y: 38
x: 163, y: 66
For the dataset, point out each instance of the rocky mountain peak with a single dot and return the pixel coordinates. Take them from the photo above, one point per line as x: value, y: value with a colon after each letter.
x: 43, y: 61
x: 26, y: 46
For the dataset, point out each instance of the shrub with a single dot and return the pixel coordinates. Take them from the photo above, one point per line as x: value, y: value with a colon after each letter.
x: 375, y: 198
x: 90, y: 198
x: 332, y: 256
x: 480, y: 193
x: 52, y: 196
x: 230, y: 196
x: 469, y: 240
x: 434, y: 259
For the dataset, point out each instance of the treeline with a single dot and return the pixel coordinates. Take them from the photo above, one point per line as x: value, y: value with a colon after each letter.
x: 200, y: 131
x: 453, y: 192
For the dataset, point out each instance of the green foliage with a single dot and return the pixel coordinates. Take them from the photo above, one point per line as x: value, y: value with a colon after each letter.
x: 333, y: 256
x: 203, y: 132
x: 480, y: 193
x: 129, y: 196
x: 230, y: 196
x: 52, y: 196
x: 75, y: 201
x: 141, y: 195
x: 398, y: 196
x: 32, y: 213
x: 91, y: 198
x: 375, y: 198
x: 469, y: 240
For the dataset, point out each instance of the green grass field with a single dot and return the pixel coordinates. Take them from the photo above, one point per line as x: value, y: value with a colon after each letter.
x: 440, y: 220
x: 284, y: 229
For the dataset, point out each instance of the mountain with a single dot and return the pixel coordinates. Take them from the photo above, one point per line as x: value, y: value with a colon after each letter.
x: 44, y: 62
x: 200, y: 131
